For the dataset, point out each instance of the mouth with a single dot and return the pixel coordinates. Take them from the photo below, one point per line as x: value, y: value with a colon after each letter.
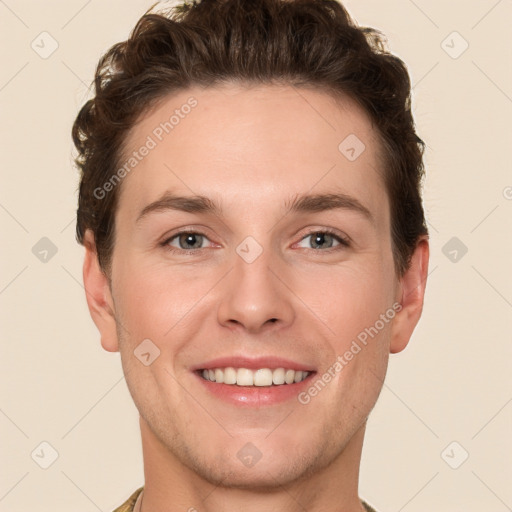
x: 246, y: 377
x: 253, y: 382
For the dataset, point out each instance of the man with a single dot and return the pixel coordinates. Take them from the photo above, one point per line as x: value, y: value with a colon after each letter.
x: 255, y: 246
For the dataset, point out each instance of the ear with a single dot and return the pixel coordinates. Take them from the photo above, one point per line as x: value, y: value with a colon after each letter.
x: 98, y: 295
x: 410, y: 294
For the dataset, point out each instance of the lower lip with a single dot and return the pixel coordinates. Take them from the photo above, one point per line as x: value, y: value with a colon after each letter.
x: 255, y: 396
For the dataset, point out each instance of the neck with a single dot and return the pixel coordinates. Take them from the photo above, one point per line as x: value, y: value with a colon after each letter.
x: 172, y: 486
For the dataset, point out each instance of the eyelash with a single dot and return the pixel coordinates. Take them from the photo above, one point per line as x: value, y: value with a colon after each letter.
x: 343, y: 242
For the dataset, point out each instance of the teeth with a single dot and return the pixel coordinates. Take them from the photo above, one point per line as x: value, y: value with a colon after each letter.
x: 247, y: 377
x: 229, y: 375
x: 298, y: 376
x: 244, y: 377
x: 219, y: 375
x: 289, y: 376
x: 278, y: 376
x: 263, y: 377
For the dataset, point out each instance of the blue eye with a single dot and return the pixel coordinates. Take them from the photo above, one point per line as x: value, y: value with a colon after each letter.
x: 319, y: 238
x: 193, y: 241
x: 187, y: 240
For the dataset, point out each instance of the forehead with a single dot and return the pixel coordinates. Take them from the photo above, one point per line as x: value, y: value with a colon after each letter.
x: 252, y: 147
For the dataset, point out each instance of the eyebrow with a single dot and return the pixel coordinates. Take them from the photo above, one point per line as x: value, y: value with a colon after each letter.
x: 189, y: 204
x: 301, y: 203
x: 325, y: 202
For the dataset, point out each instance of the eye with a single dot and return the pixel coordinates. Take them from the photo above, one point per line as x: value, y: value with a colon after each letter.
x: 191, y: 241
x: 325, y: 239
x: 185, y: 241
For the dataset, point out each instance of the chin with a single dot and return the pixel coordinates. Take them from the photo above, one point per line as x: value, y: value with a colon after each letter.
x: 269, y: 469
x: 264, y: 477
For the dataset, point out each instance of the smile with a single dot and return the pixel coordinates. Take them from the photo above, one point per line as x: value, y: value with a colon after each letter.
x: 246, y: 377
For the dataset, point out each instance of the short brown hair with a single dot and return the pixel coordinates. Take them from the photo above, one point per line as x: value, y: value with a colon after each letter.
x: 310, y: 43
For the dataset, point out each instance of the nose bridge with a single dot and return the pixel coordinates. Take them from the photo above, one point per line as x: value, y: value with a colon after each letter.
x: 254, y: 297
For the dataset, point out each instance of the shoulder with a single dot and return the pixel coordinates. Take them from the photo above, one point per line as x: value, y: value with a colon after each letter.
x: 128, y: 505
x: 367, y: 507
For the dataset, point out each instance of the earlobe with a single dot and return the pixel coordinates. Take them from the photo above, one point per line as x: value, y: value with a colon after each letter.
x: 98, y: 296
x: 411, y: 296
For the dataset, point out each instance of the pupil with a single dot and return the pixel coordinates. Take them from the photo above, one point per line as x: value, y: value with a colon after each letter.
x: 190, y: 238
x: 320, y: 238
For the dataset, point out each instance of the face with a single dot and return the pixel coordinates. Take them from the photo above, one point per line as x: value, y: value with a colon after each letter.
x: 228, y: 259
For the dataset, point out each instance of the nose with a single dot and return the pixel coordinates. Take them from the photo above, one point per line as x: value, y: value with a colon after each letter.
x: 254, y: 298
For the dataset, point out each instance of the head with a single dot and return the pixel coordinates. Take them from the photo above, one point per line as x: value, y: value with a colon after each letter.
x: 281, y: 134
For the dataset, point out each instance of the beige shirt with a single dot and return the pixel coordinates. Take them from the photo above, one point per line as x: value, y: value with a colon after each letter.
x: 134, y: 502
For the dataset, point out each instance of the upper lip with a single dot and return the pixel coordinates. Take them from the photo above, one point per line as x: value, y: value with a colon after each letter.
x: 253, y: 363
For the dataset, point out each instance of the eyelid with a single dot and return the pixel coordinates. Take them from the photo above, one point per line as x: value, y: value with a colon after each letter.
x: 343, y: 240
x: 193, y: 231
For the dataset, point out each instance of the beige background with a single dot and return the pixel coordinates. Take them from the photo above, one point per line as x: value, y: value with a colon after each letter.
x: 451, y: 384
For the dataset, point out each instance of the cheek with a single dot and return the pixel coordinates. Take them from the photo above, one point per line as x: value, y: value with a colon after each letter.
x: 155, y: 300
x: 357, y: 306
x: 351, y: 299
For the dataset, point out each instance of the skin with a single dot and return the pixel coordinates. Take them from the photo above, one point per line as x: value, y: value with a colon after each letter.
x: 251, y: 149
